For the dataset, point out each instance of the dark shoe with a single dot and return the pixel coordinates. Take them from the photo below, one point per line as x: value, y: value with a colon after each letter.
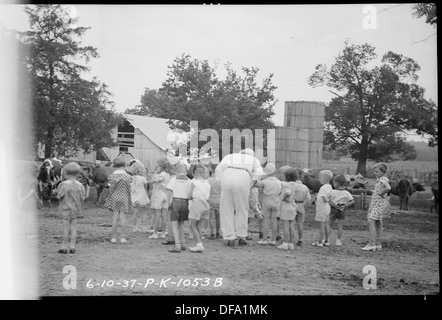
x: 183, y: 247
x: 175, y: 250
x: 231, y: 243
x: 63, y: 251
x: 278, y: 237
x: 242, y: 242
x: 168, y: 241
x: 218, y: 236
x: 299, y: 243
x: 261, y: 235
x: 249, y: 238
x: 72, y: 250
x: 212, y: 237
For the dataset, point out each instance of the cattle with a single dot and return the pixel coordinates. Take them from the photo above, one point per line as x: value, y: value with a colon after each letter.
x: 404, y: 188
x: 352, y: 182
x: 435, y: 199
x: 46, y: 181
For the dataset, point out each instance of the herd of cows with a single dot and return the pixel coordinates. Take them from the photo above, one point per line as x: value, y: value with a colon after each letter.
x: 98, y: 174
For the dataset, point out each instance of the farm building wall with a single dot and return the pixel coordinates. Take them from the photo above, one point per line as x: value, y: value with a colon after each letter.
x: 144, y: 150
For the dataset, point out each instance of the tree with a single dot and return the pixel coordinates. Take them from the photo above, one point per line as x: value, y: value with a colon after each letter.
x: 193, y: 92
x: 69, y: 112
x: 375, y: 106
x: 427, y: 10
x: 153, y: 104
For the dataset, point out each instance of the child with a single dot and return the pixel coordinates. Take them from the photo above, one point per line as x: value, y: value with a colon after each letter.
x: 214, y: 198
x: 160, y: 199
x: 119, y: 200
x: 340, y: 199
x: 379, y: 206
x: 288, y: 209
x: 323, y: 208
x: 71, y: 194
x: 199, y: 207
x: 271, y: 189
x: 180, y: 186
x: 140, y: 200
x: 254, y: 210
x: 28, y: 198
x: 302, y: 196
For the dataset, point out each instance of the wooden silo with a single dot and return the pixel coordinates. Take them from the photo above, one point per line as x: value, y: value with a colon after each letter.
x: 291, y: 147
x: 308, y: 116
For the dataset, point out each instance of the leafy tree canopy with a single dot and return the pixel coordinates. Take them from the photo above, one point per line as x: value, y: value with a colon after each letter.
x: 375, y: 106
x: 69, y: 112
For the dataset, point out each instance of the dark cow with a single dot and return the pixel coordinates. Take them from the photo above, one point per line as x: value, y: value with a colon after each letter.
x: 312, y: 182
x: 404, y: 188
x: 435, y: 192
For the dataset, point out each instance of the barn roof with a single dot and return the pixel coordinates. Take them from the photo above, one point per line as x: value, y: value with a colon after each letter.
x: 156, y: 129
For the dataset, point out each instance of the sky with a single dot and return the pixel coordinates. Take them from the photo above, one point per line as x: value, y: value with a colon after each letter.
x: 137, y: 43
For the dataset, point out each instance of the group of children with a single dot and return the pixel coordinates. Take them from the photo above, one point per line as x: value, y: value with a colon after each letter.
x: 277, y: 199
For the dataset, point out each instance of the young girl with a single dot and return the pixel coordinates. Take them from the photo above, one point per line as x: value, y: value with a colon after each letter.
x: 199, y: 207
x: 140, y: 200
x: 119, y: 200
x: 160, y: 199
x: 288, y: 209
x: 379, y: 206
x: 323, y: 208
x: 28, y: 199
x: 71, y: 194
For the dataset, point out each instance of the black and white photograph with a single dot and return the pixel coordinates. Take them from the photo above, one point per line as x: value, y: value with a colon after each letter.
x: 219, y: 150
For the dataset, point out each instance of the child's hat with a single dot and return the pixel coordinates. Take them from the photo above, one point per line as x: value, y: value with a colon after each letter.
x: 269, y: 168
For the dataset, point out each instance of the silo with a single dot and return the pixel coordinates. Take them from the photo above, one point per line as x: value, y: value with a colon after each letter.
x: 291, y: 147
x: 308, y: 115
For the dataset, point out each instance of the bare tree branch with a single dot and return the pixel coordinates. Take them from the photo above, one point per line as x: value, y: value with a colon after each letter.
x: 431, y: 35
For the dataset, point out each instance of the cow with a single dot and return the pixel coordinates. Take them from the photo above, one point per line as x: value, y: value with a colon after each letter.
x: 100, y: 176
x: 404, y: 188
x: 46, y: 181
x: 435, y: 199
x: 352, y: 182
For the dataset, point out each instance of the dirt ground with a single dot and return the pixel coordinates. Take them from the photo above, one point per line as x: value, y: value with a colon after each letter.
x: 407, y: 265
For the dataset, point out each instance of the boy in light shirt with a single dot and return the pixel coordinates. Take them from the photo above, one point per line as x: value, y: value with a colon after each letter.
x: 340, y: 199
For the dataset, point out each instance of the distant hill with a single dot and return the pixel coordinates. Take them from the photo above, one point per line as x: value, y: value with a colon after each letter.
x: 424, y: 152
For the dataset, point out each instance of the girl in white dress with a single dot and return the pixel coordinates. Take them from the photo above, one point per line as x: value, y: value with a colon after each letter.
x: 140, y: 199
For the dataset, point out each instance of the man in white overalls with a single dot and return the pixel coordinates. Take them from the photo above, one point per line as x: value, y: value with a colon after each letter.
x: 237, y: 172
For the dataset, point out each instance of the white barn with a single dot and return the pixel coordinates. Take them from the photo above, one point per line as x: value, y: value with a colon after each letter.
x: 139, y: 137
x: 143, y: 138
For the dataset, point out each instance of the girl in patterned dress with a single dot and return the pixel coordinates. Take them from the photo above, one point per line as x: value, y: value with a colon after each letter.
x: 160, y: 199
x: 119, y: 200
x: 140, y: 199
x: 379, y: 206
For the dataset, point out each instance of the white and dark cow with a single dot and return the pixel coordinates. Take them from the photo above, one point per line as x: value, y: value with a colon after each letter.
x: 46, y: 181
